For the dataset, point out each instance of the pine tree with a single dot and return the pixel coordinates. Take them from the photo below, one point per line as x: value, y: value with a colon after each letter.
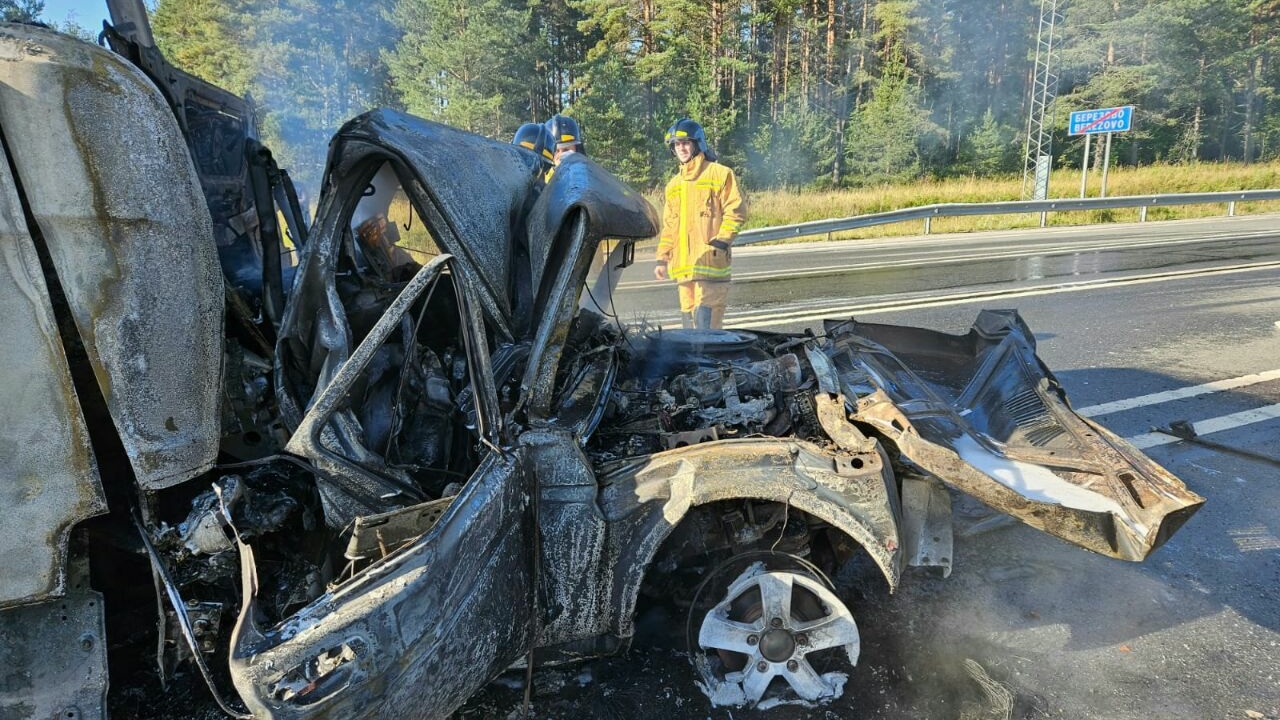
x: 795, y: 151
x: 209, y: 39
x: 986, y: 150
x: 21, y: 10
x: 309, y: 65
x: 319, y: 64
x: 885, y: 134
x: 462, y: 63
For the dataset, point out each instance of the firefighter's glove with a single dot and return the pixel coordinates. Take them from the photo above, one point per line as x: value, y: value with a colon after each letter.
x: 719, y: 245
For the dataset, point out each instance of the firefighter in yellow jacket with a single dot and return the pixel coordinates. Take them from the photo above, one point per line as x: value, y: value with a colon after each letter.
x: 704, y: 211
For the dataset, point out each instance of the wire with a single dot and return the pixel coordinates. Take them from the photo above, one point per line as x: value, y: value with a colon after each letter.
x: 786, y: 518
x: 409, y: 225
x: 612, y: 312
x: 267, y: 461
x: 616, y: 319
x: 404, y: 369
x: 184, y: 622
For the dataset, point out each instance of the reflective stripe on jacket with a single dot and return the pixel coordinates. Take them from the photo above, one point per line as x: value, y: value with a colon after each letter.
x: 703, y: 203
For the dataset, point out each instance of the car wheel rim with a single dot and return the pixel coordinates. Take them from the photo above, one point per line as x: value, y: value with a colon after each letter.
x: 771, y: 625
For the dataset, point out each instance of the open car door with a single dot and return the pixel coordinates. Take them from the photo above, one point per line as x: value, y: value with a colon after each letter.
x: 440, y: 601
x: 982, y: 413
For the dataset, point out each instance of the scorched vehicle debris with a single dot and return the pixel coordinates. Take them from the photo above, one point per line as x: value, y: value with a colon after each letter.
x: 364, y: 483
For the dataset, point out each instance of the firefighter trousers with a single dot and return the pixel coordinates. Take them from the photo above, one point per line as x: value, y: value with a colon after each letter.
x: 702, y: 303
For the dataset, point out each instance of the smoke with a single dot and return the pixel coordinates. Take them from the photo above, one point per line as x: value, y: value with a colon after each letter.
x: 317, y: 64
x: 985, y: 70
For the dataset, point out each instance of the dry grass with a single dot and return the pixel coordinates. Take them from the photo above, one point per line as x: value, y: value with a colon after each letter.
x: 777, y: 207
x: 412, y: 234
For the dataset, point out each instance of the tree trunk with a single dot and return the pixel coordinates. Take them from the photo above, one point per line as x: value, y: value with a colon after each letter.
x: 647, y: 8
x: 830, y: 71
x: 1250, y: 105
x: 786, y: 59
x: 1195, y: 131
x: 806, y: 51
x: 714, y: 12
x: 862, y: 56
x: 1225, y: 128
x: 753, y: 48
x: 775, y: 74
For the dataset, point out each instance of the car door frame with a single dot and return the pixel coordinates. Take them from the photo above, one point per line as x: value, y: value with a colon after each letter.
x: 426, y: 626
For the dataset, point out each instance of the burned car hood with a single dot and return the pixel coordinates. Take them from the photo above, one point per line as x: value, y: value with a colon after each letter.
x: 983, y: 414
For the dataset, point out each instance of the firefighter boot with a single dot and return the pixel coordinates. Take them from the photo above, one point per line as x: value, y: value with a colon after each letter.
x: 702, y: 317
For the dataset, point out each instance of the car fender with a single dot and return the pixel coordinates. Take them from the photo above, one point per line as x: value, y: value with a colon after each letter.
x: 644, y: 499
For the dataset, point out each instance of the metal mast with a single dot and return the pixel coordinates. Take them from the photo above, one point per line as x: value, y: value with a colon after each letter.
x: 1038, y: 151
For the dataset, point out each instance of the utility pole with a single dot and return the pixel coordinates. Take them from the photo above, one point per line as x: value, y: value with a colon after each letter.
x: 1038, y: 150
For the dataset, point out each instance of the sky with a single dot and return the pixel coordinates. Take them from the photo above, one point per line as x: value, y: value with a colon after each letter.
x: 89, y: 14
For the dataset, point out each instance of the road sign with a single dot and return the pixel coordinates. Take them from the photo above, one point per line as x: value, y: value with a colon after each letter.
x: 1104, y: 120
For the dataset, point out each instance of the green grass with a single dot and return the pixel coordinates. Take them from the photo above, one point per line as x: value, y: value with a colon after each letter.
x: 769, y: 208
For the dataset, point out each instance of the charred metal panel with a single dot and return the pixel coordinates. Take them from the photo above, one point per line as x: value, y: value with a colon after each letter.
x: 584, y: 399
x: 555, y: 317
x: 314, y: 338
x: 926, y: 523
x: 982, y: 413
x: 480, y: 186
x: 54, y: 655
x: 643, y: 499
x: 573, y: 575
x: 413, y: 635
x: 613, y: 210
x: 583, y: 205
x: 48, y: 476
x: 220, y: 129
x: 108, y: 178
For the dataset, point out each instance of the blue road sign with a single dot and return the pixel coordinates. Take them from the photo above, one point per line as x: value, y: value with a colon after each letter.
x: 1105, y: 120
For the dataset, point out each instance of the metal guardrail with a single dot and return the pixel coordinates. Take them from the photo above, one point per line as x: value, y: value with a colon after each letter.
x: 1044, y: 207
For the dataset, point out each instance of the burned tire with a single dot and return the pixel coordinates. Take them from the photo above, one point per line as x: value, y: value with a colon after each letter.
x: 766, y: 628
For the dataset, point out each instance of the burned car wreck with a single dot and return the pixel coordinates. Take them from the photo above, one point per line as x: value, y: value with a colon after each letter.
x: 366, y: 485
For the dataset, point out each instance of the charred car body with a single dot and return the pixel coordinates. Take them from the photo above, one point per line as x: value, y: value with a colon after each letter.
x: 443, y: 455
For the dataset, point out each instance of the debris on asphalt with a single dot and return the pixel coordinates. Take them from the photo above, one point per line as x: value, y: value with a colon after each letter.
x: 999, y: 697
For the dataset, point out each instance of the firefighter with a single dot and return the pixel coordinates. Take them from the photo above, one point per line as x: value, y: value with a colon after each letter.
x: 566, y: 138
x: 704, y: 211
x: 534, y: 136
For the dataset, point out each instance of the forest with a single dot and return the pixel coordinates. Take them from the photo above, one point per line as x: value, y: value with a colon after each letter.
x: 812, y: 94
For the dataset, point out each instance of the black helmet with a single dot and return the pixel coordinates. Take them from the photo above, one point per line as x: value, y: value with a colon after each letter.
x: 533, y: 136
x: 565, y: 132
x: 686, y: 129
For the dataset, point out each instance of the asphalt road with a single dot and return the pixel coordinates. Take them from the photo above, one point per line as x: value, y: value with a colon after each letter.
x: 786, y: 287
x: 1121, y: 314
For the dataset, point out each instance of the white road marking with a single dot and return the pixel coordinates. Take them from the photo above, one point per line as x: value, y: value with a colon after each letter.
x: 746, y: 321
x: 1212, y: 425
x: 1169, y: 395
x: 1254, y: 538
